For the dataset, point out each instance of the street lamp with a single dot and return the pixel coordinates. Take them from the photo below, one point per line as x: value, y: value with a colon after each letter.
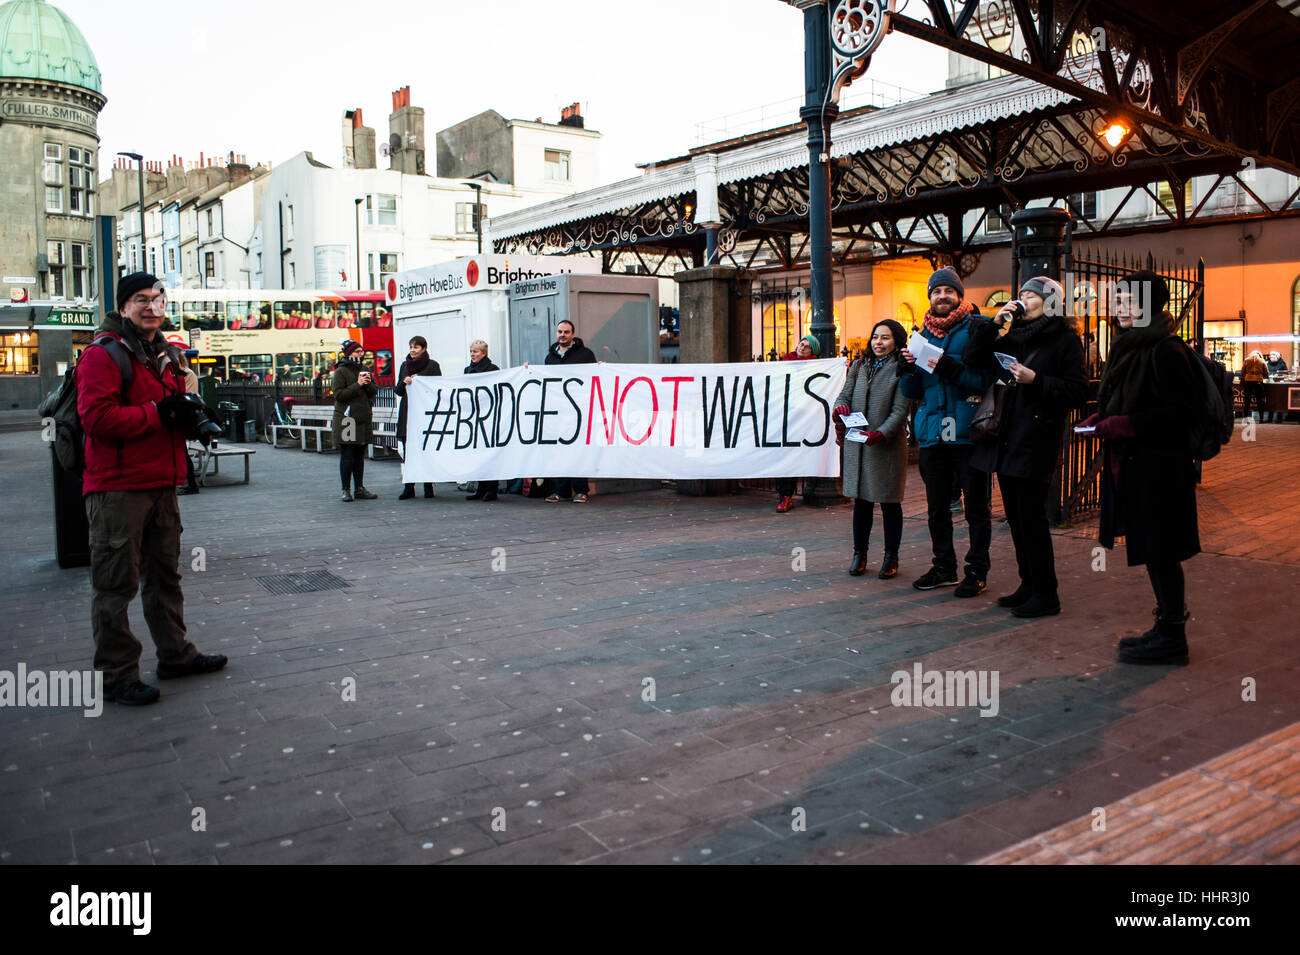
x: 478, y: 211
x: 139, y: 161
x: 356, y: 205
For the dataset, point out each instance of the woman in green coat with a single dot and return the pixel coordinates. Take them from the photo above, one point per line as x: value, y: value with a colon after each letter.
x: 354, y: 393
x: 875, y: 468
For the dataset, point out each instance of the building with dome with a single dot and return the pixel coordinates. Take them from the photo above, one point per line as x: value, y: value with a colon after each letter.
x: 50, y: 100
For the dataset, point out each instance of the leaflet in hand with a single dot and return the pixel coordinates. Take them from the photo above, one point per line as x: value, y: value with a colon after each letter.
x: 1006, y: 361
x: 923, y: 350
x: 855, y: 420
x: 856, y: 436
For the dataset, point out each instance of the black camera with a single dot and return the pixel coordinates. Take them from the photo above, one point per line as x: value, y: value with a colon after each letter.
x: 191, y: 416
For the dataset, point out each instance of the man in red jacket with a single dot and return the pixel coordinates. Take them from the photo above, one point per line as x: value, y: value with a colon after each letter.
x: 135, y: 457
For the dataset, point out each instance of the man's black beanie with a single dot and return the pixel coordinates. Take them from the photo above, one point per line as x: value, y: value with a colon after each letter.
x: 128, y: 285
x: 945, y: 276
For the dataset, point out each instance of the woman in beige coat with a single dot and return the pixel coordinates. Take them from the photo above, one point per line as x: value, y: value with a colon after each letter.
x: 875, y: 464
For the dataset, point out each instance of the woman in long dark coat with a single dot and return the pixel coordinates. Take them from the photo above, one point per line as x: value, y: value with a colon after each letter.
x: 479, y: 363
x: 417, y: 365
x: 354, y: 391
x: 1148, y: 401
x: 875, y: 471
x: 1047, y: 380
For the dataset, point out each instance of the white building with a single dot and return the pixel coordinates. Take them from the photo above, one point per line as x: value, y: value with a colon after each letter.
x: 225, y: 216
x: 324, y: 221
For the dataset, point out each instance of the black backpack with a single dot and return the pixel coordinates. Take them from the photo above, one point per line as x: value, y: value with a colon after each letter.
x: 60, y: 405
x: 1212, y: 427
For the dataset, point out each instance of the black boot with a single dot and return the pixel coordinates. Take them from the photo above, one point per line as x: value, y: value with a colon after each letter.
x: 858, y: 566
x: 1022, y: 595
x: 478, y: 492
x: 888, y: 566
x: 1039, y: 605
x: 491, y: 494
x: 1168, y: 646
x: 428, y: 489
x: 408, y: 492
x: 1146, y: 637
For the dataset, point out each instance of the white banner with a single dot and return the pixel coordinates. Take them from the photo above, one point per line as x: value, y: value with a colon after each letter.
x: 626, y: 421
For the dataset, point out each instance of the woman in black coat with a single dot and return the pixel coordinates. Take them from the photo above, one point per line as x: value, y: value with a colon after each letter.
x: 1047, y: 379
x: 1149, y: 399
x: 417, y: 365
x: 479, y: 364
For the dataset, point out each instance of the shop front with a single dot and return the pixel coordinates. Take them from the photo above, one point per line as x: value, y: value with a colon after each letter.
x: 38, y: 343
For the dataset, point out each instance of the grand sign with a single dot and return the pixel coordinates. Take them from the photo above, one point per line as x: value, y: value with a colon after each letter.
x: 70, y: 318
x: 40, y: 113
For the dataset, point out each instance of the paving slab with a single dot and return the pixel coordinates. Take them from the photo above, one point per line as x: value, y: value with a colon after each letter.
x: 651, y: 679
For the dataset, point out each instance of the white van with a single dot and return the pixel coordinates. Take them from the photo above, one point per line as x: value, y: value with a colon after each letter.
x: 454, y: 303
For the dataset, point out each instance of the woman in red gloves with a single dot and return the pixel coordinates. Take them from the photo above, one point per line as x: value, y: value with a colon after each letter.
x: 1148, y: 400
x: 875, y: 458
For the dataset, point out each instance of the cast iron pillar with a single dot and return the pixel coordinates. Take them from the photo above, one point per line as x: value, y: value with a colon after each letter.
x: 839, y: 37
x: 1040, y: 243
x: 818, y: 113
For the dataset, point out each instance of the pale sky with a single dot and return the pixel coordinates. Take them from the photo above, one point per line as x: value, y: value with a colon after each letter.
x: 270, y: 78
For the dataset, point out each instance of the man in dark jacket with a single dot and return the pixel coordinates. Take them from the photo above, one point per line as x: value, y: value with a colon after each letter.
x: 948, y: 393
x: 135, y: 457
x: 568, y: 350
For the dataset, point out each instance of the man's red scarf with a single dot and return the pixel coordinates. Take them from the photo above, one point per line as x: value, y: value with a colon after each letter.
x: 940, y: 327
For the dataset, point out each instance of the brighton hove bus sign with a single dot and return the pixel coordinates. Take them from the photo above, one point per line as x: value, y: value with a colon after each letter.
x: 480, y: 272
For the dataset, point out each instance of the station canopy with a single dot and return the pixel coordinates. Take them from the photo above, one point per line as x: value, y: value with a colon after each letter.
x: 1095, y: 95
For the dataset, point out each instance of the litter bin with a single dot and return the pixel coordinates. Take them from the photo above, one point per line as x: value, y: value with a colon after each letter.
x: 234, y: 417
x: 71, y: 528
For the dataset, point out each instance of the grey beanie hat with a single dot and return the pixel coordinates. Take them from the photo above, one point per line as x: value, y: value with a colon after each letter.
x: 1044, y: 287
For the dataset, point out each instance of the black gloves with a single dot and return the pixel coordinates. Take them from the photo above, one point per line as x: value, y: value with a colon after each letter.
x: 174, y: 411
x: 947, y: 368
x: 906, y: 368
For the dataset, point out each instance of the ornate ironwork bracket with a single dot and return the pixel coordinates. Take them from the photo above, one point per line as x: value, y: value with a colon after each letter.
x: 857, y: 27
x: 1193, y: 57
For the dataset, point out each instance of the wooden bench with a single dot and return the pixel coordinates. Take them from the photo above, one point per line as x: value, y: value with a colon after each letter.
x: 205, y: 458
x: 316, y: 419
x: 384, y: 426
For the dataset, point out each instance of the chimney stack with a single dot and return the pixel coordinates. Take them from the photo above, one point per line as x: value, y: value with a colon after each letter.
x: 572, y: 116
x: 358, y: 141
x: 406, y: 135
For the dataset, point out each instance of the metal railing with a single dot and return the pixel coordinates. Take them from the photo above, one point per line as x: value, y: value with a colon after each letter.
x: 255, y: 400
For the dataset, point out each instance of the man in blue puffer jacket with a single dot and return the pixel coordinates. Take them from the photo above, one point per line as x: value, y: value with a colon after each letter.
x: 948, y: 394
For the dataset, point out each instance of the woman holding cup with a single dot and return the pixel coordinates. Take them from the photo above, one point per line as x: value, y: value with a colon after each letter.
x: 354, y: 391
x: 1040, y: 358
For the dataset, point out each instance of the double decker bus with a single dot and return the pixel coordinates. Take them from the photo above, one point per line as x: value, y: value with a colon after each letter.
x: 280, y: 334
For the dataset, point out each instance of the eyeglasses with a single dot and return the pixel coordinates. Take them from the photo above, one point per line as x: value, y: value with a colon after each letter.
x: 157, y: 302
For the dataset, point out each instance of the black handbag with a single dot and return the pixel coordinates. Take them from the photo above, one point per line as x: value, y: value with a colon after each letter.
x: 988, y: 416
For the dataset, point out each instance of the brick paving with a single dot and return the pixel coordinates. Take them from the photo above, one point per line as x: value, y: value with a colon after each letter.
x: 486, y: 697
x: 1243, y: 807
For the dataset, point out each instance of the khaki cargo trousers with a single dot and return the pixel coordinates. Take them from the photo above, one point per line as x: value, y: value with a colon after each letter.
x: 135, y: 542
